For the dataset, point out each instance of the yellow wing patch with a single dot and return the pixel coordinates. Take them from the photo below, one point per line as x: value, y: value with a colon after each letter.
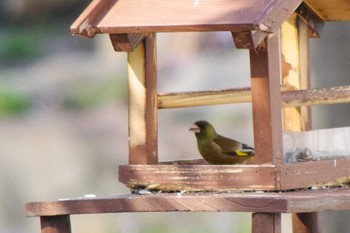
x: 240, y: 153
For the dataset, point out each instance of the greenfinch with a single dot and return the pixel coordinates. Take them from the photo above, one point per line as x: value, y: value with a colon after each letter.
x: 216, y: 149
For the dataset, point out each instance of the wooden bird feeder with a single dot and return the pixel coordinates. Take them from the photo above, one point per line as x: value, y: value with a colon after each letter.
x: 276, y: 33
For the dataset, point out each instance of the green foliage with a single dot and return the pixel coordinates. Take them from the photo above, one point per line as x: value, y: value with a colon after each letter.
x: 17, y: 45
x: 13, y: 103
x: 88, y: 95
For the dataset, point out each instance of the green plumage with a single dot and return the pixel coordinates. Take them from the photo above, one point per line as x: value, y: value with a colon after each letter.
x: 216, y: 149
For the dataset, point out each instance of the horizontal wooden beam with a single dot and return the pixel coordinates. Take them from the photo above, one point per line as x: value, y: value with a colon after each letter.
x: 203, y: 98
x: 333, y: 95
x: 249, y: 39
x: 126, y: 42
x: 268, y: 202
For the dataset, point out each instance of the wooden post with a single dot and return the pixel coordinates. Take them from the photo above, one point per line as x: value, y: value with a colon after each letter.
x: 143, y: 103
x: 305, y: 223
x: 295, y: 66
x: 290, y: 69
x: 295, y: 69
x: 266, y: 223
x: 266, y: 101
x: 55, y: 224
x: 305, y: 83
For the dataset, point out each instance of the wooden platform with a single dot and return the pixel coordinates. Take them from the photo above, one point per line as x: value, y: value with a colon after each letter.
x: 258, y: 202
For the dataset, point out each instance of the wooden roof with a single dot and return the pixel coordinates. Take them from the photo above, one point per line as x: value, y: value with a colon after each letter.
x: 331, y: 10
x: 144, y: 16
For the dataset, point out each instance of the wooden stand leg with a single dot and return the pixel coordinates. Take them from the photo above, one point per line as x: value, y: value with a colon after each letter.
x: 305, y: 223
x: 55, y: 224
x: 266, y: 223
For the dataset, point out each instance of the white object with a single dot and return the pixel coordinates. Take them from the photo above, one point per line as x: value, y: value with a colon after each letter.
x: 316, y: 144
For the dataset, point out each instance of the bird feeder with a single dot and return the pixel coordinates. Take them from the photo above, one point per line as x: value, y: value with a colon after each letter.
x: 275, y: 33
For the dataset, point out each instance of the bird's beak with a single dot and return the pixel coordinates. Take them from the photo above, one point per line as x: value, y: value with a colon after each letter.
x: 195, y: 129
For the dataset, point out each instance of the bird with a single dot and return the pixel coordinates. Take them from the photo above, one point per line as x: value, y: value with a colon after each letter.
x: 217, y: 149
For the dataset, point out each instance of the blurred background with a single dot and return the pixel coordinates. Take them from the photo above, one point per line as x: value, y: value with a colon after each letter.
x: 63, y: 114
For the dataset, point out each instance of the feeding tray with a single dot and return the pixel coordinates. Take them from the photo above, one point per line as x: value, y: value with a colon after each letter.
x: 179, y: 176
x: 329, y: 145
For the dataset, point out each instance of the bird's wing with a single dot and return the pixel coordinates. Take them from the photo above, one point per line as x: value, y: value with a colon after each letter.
x: 241, y: 153
x: 232, y: 147
x: 229, y: 146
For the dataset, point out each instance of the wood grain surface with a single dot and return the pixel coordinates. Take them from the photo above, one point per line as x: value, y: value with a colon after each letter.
x: 133, y: 16
x: 268, y: 202
x: 290, y: 97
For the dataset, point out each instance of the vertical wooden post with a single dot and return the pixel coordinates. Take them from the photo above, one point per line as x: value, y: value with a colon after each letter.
x: 266, y: 223
x: 142, y: 78
x: 266, y: 101
x: 305, y: 223
x: 295, y: 69
x: 305, y: 83
x: 55, y: 224
x: 291, y: 69
x: 295, y: 66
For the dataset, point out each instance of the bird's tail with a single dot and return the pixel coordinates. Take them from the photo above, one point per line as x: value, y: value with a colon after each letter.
x: 248, y: 150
